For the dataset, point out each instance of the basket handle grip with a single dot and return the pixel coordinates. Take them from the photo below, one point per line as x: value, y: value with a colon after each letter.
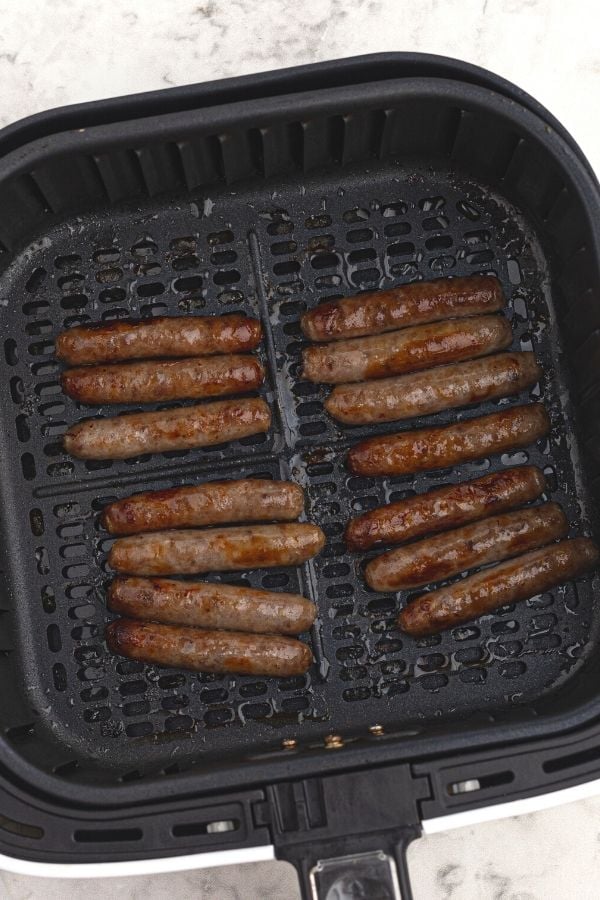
x: 369, y: 875
x: 347, y: 833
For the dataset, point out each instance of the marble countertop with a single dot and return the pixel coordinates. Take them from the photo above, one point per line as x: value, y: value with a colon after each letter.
x: 54, y: 52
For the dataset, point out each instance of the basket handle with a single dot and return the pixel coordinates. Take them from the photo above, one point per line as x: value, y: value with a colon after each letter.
x: 347, y: 833
x: 370, y: 875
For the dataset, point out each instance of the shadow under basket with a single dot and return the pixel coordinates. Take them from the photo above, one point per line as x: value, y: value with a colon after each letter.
x: 271, y: 205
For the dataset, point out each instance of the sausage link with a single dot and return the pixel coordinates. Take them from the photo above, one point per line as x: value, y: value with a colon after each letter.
x: 174, y: 429
x: 216, y: 549
x: 156, y: 382
x: 410, y: 304
x: 210, y: 605
x: 407, y: 350
x: 445, y: 508
x: 86, y: 345
x: 213, y: 503
x: 208, y: 651
x: 508, y: 582
x: 433, y: 448
x: 423, y: 393
x: 490, y: 540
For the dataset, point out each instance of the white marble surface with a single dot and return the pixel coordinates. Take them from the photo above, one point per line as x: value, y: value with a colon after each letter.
x: 54, y: 52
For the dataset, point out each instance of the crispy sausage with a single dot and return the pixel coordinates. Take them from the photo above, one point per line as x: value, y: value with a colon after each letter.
x: 86, y: 345
x: 406, y: 350
x: 423, y: 393
x: 210, y: 605
x: 208, y: 651
x: 216, y: 549
x: 173, y: 429
x: 410, y: 304
x: 444, y: 508
x: 508, y: 582
x: 213, y: 503
x: 490, y: 540
x: 158, y: 382
x: 447, y: 445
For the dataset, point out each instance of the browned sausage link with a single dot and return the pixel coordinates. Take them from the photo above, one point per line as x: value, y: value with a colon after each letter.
x: 440, y: 557
x: 210, y: 605
x: 86, y: 345
x: 507, y: 582
x: 155, y: 382
x: 208, y: 651
x: 433, y: 448
x: 173, y: 429
x: 444, y: 508
x: 407, y: 350
x: 423, y: 393
x: 410, y: 304
x: 216, y: 549
x: 214, y: 503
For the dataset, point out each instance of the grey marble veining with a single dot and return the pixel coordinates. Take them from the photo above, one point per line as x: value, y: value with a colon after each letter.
x: 54, y: 52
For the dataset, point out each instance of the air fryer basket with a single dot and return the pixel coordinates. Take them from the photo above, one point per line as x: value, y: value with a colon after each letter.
x: 269, y: 207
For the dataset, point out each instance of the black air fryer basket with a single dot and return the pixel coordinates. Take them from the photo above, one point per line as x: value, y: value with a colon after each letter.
x: 268, y: 194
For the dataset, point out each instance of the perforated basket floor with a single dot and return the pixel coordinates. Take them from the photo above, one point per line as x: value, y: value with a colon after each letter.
x: 271, y: 253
